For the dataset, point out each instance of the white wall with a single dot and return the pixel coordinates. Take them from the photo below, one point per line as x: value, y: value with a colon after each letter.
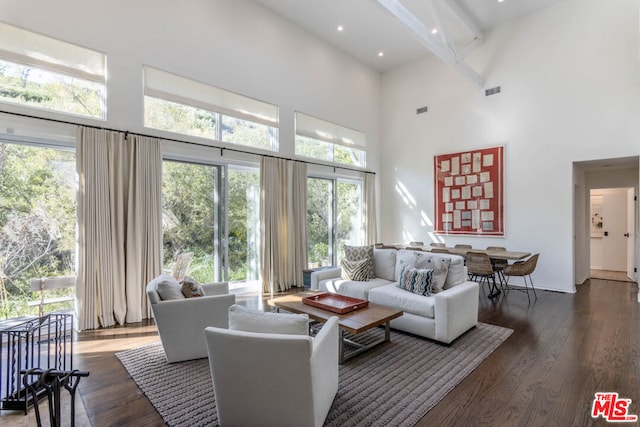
x: 236, y: 45
x: 570, y: 92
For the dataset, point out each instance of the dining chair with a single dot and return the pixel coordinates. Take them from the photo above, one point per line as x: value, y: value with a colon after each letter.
x: 523, y: 269
x: 438, y: 250
x: 499, y: 264
x: 439, y: 245
x: 461, y: 246
x: 479, y: 267
x: 416, y: 243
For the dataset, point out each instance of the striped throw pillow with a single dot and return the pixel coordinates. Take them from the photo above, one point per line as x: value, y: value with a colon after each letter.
x: 358, y: 271
x: 416, y: 280
x: 357, y: 253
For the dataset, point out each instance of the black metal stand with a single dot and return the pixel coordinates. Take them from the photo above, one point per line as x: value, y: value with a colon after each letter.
x: 52, y: 382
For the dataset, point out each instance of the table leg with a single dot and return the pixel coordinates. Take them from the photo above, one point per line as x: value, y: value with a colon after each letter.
x: 387, y: 332
x: 341, y: 346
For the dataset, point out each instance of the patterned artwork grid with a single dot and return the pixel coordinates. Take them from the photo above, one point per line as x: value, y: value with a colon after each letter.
x: 469, y: 192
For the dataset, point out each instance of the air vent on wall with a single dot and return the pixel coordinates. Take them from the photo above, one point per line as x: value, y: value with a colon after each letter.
x: 492, y: 91
x: 422, y: 110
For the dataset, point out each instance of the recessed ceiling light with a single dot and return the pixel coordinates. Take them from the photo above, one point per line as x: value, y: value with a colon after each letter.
x: 340, y: 28
x: 500, y: 1
x: 434, y: 31
x: 381, y: 53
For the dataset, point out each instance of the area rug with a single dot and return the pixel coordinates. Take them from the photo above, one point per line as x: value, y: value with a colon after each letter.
x: 395, y: 384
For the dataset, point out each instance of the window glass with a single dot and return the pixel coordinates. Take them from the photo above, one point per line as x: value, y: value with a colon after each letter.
x: 190, y: 218
x: 319, y: 222
x: 222, y: 232
x: 37, y: 230
x: 179, y: 118
x: 334, y: 219
x: 244, y: 132
x: 323, y: 140
x: 42, y: 72
x: 243, y: 213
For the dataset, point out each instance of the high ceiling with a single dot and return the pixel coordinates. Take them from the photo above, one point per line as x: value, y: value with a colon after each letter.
x: 402, y: 29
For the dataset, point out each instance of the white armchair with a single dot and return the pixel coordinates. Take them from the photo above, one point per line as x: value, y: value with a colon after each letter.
x: 273, y: 379
x: 181, y: 322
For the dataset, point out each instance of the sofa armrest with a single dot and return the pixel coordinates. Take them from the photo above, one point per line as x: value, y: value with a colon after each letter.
x: 220, y: 288
x: 456, y: 311
x: 328, y: 273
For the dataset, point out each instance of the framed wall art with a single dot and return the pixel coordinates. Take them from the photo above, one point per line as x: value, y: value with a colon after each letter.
x: 469, y: 192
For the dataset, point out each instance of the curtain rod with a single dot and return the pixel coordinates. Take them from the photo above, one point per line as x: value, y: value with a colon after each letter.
x: 235, y: 150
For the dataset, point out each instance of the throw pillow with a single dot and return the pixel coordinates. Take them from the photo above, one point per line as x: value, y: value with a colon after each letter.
x: 191, y: 288
x: 440, y: 267
x: 416, y: 280
x: 357, y: 271
x: 250, y: 320
x: 168, y: 288
x: 357, y: 253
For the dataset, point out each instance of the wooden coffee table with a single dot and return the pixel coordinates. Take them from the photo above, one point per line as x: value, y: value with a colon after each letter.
x: 354, y: 322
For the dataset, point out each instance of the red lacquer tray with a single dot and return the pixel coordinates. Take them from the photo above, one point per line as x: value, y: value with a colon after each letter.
x: 335, y: 303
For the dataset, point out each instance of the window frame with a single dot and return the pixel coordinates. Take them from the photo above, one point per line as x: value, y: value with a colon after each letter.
x: 223, y: 104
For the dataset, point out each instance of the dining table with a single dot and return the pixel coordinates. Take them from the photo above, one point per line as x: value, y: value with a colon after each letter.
x: 493, y: 254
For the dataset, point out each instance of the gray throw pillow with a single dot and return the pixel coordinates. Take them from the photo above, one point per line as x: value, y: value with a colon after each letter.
x: 168, y: 288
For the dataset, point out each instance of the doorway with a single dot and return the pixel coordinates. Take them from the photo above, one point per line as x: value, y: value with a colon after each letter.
x: 611, y: 227
x: 605, y: 174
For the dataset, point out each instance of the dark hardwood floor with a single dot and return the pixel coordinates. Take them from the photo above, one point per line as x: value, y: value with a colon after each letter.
x: 564, y: 349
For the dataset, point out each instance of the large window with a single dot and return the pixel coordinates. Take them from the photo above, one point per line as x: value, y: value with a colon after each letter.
x: 37, y: 229
x: 214, y: 217
x: 322, y: 140
x: 180, y: 105
x: 38, y: 71
x: 334, y: 219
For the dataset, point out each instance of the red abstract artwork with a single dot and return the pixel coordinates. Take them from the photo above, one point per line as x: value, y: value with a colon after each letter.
x: 469, y: 192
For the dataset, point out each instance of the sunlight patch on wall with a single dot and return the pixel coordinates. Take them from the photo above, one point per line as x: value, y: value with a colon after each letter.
x: 407, y: 198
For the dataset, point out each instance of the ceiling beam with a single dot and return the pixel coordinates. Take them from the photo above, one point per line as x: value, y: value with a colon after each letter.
x: 465, y: 18
x: 431, y: 42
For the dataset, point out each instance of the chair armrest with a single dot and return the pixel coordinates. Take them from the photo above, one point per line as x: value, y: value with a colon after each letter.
x: 456, y: 310
x: 328, y: 273
x: 220, y: 288
x: 324, y: 368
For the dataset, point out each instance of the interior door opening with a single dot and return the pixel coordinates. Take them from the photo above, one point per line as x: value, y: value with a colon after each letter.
x: 611, y: 228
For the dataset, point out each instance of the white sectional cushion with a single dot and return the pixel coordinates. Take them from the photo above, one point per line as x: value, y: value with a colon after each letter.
x: 250, y: 320
x: 351, y: 288
x: 393, y: 296
x: 384, y: 263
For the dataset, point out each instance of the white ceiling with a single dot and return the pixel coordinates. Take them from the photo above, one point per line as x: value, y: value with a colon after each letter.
x: 369, y: 27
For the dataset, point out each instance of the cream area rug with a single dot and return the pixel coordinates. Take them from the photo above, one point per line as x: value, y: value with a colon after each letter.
x: 394, y: 384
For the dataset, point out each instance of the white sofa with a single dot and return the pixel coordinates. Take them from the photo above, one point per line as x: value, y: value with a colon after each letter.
x: 443, y: 316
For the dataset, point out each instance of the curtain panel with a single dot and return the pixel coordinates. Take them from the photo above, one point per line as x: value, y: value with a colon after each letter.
x: 283, y: 206
x: 369, y: 207
x: 119, y: 225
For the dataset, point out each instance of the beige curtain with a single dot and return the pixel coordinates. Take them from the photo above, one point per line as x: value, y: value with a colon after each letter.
x: 283, y: 201
x: 119, y: 225
x: 369, y: 209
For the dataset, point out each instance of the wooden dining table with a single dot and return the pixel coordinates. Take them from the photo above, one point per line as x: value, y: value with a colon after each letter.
x: 493, y: 254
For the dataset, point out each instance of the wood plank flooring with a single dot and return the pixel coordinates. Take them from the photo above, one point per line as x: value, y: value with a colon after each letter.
x: 565, y: 348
